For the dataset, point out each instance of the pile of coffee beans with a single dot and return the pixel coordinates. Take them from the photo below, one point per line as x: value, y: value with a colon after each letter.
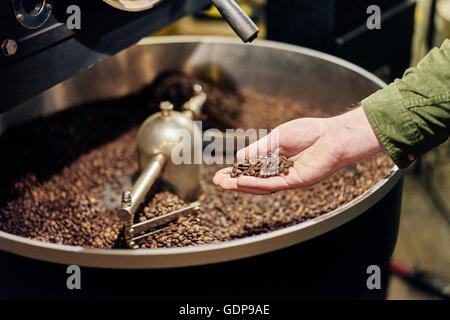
x: 226, y: 108
x: 262, y: 166
x: 62, y: 175
x: 187, y: 230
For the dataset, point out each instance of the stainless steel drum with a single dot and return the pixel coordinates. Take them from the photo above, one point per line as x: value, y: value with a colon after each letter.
x: 327, y: 256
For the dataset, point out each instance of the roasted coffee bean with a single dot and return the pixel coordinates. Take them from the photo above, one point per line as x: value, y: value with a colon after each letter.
x: 56, y: 171
x: 262, y: 166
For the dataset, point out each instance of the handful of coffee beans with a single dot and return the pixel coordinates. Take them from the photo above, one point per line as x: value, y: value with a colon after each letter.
x: 262, y: 166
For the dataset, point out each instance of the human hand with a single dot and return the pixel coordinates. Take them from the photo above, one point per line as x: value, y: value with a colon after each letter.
x: 318, y: 146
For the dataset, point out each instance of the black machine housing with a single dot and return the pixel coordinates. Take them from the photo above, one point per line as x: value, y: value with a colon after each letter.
x: 339, y: 27
x: 52, y: 53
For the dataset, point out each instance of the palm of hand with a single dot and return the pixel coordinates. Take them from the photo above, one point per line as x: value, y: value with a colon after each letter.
x: 302, y: 140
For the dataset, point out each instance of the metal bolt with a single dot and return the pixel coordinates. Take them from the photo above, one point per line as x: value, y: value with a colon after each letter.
x: 166, y: 108
x: 19, y: 17
x: 9, y: 47
x: 126, y: 199
x: 197, y: 88
x: 133, y: 245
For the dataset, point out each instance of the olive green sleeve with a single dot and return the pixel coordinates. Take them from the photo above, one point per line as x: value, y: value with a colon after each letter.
x: 412, y: 114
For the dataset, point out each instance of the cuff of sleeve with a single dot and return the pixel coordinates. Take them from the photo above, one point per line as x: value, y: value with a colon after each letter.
x: 392, y: 124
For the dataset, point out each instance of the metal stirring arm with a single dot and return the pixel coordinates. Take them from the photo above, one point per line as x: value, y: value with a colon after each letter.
x: 193, y: 107
x: 131, y: 200
x: 155, y: 132
x: 151, y: 224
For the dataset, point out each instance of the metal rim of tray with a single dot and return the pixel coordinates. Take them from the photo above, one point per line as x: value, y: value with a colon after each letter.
x: 215, y: 252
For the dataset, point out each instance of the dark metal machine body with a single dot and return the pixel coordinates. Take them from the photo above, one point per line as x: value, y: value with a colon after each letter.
x: 44, y: 42
x: 339, y: 27
x: 47, y: 51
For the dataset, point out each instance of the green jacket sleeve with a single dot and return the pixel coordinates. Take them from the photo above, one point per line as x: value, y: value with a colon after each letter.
x: 412, y: 114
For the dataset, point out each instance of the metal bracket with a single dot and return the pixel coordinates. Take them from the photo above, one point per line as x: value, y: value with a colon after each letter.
x: 32, y: 14
x: 133, y: 232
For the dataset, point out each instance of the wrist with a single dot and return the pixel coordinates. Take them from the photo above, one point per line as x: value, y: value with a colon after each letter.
x: 355, y: 137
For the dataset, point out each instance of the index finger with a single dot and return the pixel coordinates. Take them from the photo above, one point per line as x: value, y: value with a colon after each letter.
x: 271, y: 143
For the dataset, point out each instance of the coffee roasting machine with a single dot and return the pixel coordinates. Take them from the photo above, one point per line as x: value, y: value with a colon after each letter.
x: 325, y: 257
